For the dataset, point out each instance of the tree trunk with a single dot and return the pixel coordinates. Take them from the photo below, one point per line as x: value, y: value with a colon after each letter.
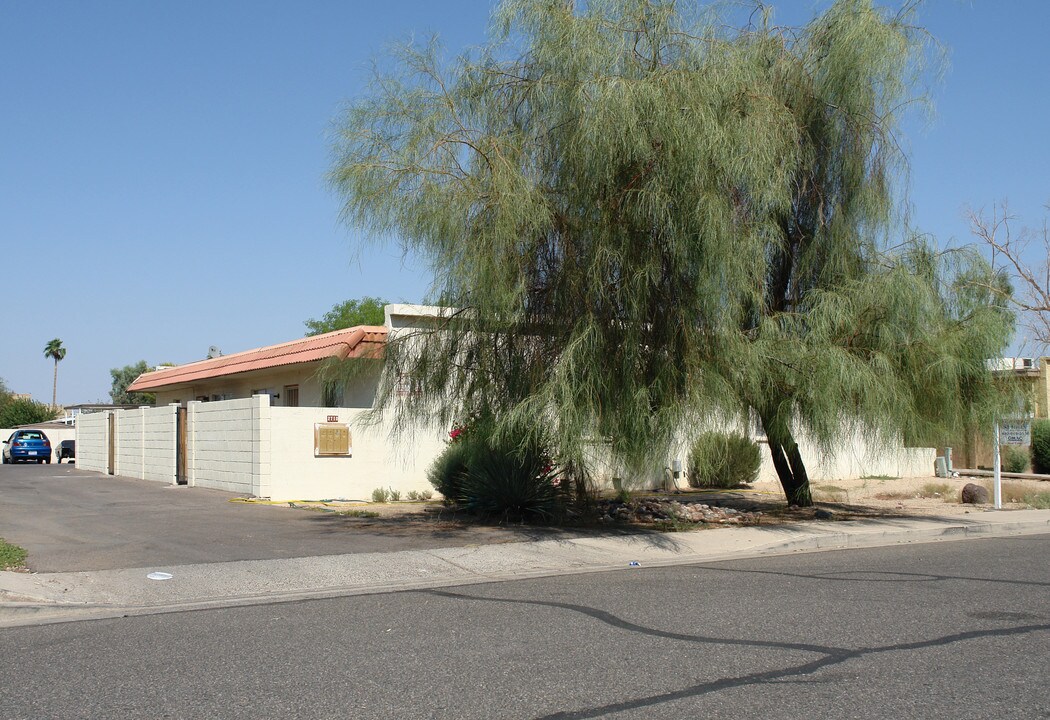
x: 54, y: 388
x: 789, y: 466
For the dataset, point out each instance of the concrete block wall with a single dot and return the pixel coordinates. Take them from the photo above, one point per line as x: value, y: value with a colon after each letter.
x: 158, y: 442
x: 92, y: 436
x: 129, y: 443
x: 225, y: 448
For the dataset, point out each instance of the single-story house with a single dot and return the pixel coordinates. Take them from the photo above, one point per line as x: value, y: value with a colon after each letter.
x: 286, y: 372
x: 259, y: 422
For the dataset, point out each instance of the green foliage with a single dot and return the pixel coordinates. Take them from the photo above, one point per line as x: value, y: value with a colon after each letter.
x: 23, y: 411
x: 358, y: 513
x: 644, y: 220
x: 448, y: 469
x: 1014, y: 459
x: 394, y: 495
x: 1041, y: 446
x: 366, y: 311
x: 509, y: 480
x: 380, y: 495
x: 11, y: 556
x: 723, y: 460
x: 54, y: 351
x: 505, y: 474
x: 121, y: 378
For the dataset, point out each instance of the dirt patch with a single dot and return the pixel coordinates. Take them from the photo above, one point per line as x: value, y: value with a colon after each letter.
x: 834, y: 500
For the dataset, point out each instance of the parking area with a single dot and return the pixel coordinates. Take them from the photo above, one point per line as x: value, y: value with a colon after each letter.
x: 71, y: 519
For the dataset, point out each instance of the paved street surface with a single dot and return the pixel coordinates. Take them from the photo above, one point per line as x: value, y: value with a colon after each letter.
x: 71, y: 519
x: 945, y: 630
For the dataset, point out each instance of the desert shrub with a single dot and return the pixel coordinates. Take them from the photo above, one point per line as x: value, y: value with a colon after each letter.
x: 723, y: 460
x: 509, y: 481
x: 1041, y: 446
x: 1015, y: 459
x: 504, y: 474
x: 447, y: 471
x: 394, y: 495
x: 380, y: 495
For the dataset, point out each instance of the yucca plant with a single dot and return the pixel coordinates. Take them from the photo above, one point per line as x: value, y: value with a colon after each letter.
x: 506, y: 482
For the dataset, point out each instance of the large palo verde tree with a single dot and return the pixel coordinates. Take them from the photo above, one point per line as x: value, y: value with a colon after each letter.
x: 646, y: 221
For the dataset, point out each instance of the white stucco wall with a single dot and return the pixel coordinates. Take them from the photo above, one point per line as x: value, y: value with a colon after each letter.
x: 296, y: 474
x: 858, y: 458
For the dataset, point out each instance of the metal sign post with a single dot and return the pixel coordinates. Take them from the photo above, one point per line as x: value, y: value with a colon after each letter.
x: 998, y: 468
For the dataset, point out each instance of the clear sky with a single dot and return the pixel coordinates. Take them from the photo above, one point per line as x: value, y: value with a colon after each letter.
x: 162, y: 165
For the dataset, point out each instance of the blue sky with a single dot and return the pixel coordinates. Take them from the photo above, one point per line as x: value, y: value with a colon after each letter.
x: 162, y: 165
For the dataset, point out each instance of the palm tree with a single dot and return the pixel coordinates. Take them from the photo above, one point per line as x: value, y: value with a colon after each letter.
x: 56, y: 352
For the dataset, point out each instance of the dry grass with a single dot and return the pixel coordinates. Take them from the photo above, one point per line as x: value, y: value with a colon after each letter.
x: 1021, y: 495
x: 830, y: 493
x: 894, y: 495
x: 936, y: 490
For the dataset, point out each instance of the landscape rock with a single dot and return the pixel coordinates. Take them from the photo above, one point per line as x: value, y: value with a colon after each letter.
x: 973, y: 494
x: 649, y: 510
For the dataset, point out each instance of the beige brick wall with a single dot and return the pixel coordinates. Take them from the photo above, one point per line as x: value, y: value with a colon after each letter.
x: 92, y: 436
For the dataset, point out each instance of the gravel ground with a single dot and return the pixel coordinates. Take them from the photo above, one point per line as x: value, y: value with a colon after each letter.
x: 760, y: 503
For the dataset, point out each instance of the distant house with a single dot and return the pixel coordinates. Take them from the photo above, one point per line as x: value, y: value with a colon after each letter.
x: 286, y: 372
x: 1033, y: 378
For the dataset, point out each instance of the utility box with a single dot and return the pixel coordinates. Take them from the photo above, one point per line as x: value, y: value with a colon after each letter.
x: 332, y: 440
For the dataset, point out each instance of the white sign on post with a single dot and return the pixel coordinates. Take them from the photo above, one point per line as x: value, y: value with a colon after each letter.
x: 1015, y: 432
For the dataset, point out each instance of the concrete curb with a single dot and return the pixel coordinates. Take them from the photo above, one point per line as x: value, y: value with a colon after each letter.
x: 29, y: 599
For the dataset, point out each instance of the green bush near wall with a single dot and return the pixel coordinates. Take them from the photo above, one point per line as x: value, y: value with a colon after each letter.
x: 1015, y: 460
x: 1041, y: 446
x: 723, y: 460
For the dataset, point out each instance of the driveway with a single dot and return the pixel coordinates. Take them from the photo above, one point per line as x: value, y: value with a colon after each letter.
x: 71, y: 519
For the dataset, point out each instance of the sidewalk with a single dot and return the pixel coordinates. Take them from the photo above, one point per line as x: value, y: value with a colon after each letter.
x: 51, y: 597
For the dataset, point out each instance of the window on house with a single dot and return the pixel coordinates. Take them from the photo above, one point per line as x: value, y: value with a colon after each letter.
x: 291, y: 396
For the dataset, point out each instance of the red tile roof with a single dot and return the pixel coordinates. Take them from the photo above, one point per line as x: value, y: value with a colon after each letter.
x: 360, y: 341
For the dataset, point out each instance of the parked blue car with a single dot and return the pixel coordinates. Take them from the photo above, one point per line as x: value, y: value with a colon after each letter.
x: 27, y: 446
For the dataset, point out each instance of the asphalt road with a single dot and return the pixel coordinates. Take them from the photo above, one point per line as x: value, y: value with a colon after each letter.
x: 947, y: 630
x: 71, y: 520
